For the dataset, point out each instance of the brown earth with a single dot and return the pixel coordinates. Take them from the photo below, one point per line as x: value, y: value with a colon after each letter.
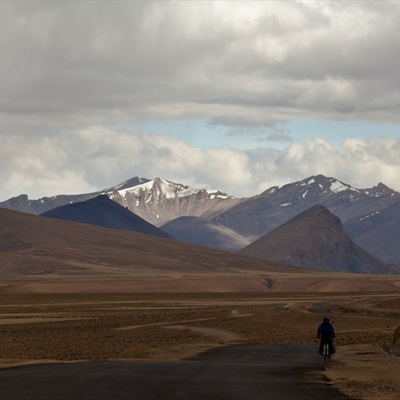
x: 40, y: 254
x: 72, y: 292
x: 72, y: 327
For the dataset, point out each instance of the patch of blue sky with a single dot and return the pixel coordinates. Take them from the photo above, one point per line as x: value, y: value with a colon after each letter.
x: 197, y: 132
x: 201, y: 133
x: 335, y: 132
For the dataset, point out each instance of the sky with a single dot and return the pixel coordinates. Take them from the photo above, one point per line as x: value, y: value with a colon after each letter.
x: 231, y: 95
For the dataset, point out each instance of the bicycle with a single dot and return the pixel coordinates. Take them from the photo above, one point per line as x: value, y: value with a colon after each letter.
x: 326, y: 348
x: 325, y: 351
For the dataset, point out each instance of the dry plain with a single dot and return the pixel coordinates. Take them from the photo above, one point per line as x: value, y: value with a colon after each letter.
x: 48, y: 327
x: 73, y: 292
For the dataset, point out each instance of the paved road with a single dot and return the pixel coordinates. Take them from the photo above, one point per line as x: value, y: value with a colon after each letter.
x: 243, y: 372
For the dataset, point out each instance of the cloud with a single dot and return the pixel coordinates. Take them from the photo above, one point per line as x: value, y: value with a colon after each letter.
x: 361, y: 163
x: 237, y: 63
x: 94, y: 158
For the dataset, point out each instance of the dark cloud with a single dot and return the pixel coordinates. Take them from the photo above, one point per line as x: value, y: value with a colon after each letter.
x: 106, y: 61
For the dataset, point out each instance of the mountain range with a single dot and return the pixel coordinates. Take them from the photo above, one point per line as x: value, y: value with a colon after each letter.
x: 158, y: 201
x: 40, y: 254
x: 370, y: 217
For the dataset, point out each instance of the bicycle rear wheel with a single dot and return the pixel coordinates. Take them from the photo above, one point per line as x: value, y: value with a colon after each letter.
x: 326, y: 352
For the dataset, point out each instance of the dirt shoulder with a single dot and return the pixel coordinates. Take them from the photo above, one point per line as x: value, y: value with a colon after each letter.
x: 365, y: 371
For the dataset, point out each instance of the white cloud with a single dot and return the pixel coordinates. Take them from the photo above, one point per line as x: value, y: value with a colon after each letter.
x: 96, y: 157
x: 225, y: 167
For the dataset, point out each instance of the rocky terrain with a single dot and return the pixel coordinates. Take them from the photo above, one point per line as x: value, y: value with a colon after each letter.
x: 396, y: 341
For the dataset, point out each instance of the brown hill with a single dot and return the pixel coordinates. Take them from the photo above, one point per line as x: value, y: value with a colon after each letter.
x: 56, y: 250
x: 39, y: 254
x: 315, y: 239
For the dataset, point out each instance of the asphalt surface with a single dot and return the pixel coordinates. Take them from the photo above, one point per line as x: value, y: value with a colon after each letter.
x: 243, y: 372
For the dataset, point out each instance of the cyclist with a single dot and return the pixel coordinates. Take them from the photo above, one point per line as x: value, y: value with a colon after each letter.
x: 326, y: 332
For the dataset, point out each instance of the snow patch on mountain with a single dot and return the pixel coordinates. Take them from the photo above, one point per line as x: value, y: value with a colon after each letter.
x: 125, y: 184
x: 337, y: 186
x: 369, y: 216
x: 324, y: 185
x: 161, y: 188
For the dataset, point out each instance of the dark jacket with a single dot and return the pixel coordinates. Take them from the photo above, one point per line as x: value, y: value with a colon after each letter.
x: 326, y: 329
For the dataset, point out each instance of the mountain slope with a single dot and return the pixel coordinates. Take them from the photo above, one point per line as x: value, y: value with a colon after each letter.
x: 24, y: 204
x: 315, y: 239
x: 44, y: 251
x: 102, y: 211
x: 206, y: 233
x: 260, y: 214
x: 370, y: 216
x: 379, y: 232
x: 159, y: 201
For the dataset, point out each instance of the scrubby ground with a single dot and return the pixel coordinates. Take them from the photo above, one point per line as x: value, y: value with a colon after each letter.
x: 75, y: 327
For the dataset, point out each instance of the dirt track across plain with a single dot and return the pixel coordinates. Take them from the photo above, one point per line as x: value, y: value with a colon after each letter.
x: 235, y: 372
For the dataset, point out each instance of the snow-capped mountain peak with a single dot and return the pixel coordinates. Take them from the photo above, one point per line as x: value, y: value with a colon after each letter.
x: 338, y: 186
x: 159, y: 200
x: 160, y: 187
x: 126, y: 184
x: 323, y: 184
